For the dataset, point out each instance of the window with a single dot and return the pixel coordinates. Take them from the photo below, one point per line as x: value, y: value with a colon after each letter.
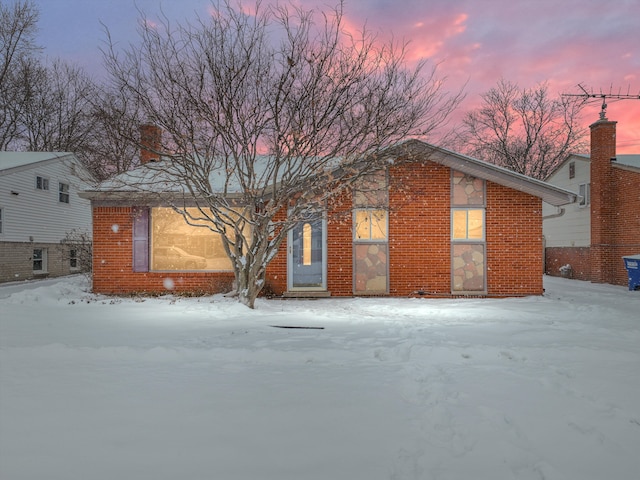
x: 42, y: 183
x: 73, y: 259
x: 1, y: 219
x: 176, y: 245
x: 572, y: 169
x: 307, y: 235
x: 467, y: 224
x: 371, y: 235
x: 584, y: 190
x: 468, y: 265
x: 39, y: 260
x: 371, y: 225
x: 63, y: 192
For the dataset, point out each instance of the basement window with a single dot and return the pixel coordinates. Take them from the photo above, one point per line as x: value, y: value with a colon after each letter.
x: 39, y: 260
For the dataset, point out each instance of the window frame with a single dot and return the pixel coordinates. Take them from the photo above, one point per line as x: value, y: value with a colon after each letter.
x: 64, y: 195
x: 43, y: 259
x: 151, y: 238
x: 585, y: 200
x: 74, y: 264
x: 371, y: 213
x: 1, y: 220
x: 42, y: 183
x: 467, y: 242
x: 466, y: 238
x: 372, y: 197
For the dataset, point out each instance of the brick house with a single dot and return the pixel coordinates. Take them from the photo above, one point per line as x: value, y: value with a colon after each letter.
x: 451, y: 225
x: 592, y: 235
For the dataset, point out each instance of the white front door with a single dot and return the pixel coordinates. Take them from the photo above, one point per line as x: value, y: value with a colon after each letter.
x: 307, y: 257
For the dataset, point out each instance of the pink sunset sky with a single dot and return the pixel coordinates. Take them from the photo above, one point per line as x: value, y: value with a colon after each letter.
x: 474, y: 42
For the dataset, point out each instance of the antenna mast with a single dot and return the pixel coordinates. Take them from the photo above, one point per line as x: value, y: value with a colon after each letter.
x: 604, y: 96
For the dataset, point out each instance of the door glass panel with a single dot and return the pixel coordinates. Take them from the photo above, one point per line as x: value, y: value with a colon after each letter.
x: 307, y: 232
x: 307, y: 255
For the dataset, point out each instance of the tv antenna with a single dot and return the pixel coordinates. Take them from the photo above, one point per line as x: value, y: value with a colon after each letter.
x: 588, y: 96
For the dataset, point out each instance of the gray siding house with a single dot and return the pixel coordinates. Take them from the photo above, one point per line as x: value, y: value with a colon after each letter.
x: 39, y: 207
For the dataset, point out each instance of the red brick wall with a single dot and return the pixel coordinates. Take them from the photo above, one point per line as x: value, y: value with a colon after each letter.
x: 419, y: 233
x: 419, y: 239
x: 578, y: 257
x: 514, y: 242
x: 615, y: 208
x: 113, y: 259
x: 626, y: 230
x: 419, y: 243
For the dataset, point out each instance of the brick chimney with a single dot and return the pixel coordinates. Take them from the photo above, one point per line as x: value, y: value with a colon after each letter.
x: 603, y: 149
x: 150, y: 143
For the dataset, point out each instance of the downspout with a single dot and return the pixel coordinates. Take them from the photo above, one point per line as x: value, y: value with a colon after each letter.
x: 560, y: 212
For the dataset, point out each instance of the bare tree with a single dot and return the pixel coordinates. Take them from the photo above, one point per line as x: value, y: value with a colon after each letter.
x: 524, y: 130
x: 57, y: 113
x: 18, y: 25
x: 76, y: 247
x: 269, y: 117
x: 113, y: 144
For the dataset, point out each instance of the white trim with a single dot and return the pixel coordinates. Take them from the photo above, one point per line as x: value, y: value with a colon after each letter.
x: 323, y: 287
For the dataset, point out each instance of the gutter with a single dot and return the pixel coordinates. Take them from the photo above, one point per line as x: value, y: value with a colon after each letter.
x: 558, y: 214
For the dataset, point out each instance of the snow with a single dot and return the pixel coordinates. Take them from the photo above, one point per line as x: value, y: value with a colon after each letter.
x: 203, y: 388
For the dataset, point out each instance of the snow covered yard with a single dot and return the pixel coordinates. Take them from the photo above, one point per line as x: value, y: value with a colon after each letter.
x: 95, y: 387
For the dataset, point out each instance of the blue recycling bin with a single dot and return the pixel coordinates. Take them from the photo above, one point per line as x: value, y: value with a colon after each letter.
x: 632, y: 264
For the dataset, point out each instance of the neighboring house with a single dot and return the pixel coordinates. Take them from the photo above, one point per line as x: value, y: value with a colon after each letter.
x: 588, y: 239
x: 451, y: 226
x: 39, y: 206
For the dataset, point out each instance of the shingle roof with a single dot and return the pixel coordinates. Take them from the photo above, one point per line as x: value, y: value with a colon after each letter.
x: 153, y: 178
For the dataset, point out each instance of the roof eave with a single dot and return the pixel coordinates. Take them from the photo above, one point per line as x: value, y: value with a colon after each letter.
x: 548, y: 193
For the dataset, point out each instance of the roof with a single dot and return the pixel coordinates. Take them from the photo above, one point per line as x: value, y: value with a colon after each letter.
x: 629, y: 160
x: 11, y: 160
x: 161, y: 176
x: 488, y: 171
x: 154, y: 179
x: 625, y: 160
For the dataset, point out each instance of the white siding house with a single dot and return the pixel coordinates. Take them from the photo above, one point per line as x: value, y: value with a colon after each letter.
x: 39, y: 207
x: 567, y: 229
x: 570, y: 225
